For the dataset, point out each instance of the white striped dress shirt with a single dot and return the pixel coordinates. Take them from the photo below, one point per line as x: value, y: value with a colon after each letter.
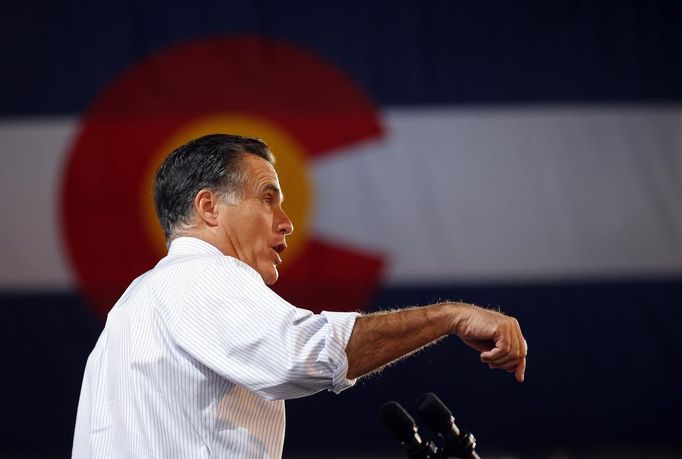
x: 196, y: 359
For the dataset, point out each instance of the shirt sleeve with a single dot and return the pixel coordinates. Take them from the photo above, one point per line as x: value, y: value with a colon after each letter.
x: 236, y: 326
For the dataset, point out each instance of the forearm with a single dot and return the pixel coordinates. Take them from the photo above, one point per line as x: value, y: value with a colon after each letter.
x: 379, y: 339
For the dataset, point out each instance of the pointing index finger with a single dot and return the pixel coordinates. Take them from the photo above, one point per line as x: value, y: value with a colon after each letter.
x: 520, y: 371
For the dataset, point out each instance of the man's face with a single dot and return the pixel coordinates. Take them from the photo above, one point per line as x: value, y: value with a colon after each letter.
x: 254, y: 230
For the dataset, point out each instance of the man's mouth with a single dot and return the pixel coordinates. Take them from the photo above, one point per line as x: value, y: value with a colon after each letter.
x: 279, y: 248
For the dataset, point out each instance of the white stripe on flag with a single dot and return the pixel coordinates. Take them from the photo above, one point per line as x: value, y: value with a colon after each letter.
x: 449, y: 195
x: 512, y: 194
x: 32, y: 156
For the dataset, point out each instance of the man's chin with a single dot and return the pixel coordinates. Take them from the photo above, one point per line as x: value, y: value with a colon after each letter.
x: 270, y: 276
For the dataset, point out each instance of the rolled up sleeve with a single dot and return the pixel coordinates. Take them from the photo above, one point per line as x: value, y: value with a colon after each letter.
x: 340, y: 329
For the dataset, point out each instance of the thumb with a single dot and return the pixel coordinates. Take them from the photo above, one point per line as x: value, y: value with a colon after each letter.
x: 502, y: 344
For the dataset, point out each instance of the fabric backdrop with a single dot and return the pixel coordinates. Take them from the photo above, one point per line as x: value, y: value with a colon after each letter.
x: 523, y: 156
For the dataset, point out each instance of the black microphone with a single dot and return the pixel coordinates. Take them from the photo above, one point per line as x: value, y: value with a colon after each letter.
x: 438, y: 418
x: 403, y: 428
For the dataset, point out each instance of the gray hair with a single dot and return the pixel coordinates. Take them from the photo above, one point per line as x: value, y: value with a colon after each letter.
x: 213, y: 162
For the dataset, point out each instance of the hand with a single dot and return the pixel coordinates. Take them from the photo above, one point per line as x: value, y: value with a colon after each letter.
x: 497, y: 337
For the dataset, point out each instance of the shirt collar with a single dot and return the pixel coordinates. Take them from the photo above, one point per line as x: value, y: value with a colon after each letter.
x: 187, y: 245
x: 191, y: 245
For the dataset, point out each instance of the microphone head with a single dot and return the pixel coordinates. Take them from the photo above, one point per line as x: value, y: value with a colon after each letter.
x: 436, y: 415
x: 397, y: 421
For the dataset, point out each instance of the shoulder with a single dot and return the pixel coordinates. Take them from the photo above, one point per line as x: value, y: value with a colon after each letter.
x: 225, y: 268
x: 227, y: 277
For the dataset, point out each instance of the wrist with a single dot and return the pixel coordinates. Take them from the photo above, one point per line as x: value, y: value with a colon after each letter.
x: 446, y: 317
x: 456, y: 312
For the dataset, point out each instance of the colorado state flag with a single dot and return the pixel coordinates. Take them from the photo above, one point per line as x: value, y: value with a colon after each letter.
x: 523, y: 156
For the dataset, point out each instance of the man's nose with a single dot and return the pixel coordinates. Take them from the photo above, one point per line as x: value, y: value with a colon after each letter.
x: 285, y: 225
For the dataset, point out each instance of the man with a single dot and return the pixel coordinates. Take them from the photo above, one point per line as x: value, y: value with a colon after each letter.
x: 198, y: 355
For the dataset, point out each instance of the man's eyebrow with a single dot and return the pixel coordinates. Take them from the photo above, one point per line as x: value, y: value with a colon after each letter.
x: 274, y: 189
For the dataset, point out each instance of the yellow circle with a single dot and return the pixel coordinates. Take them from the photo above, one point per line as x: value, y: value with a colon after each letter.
x: 291, y: 166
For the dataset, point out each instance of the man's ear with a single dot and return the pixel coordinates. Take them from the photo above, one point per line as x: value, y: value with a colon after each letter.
x: 206, y: 207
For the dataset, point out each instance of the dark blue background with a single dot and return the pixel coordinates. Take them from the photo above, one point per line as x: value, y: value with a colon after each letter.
x: 57, y: 56
x: 603, y: 370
